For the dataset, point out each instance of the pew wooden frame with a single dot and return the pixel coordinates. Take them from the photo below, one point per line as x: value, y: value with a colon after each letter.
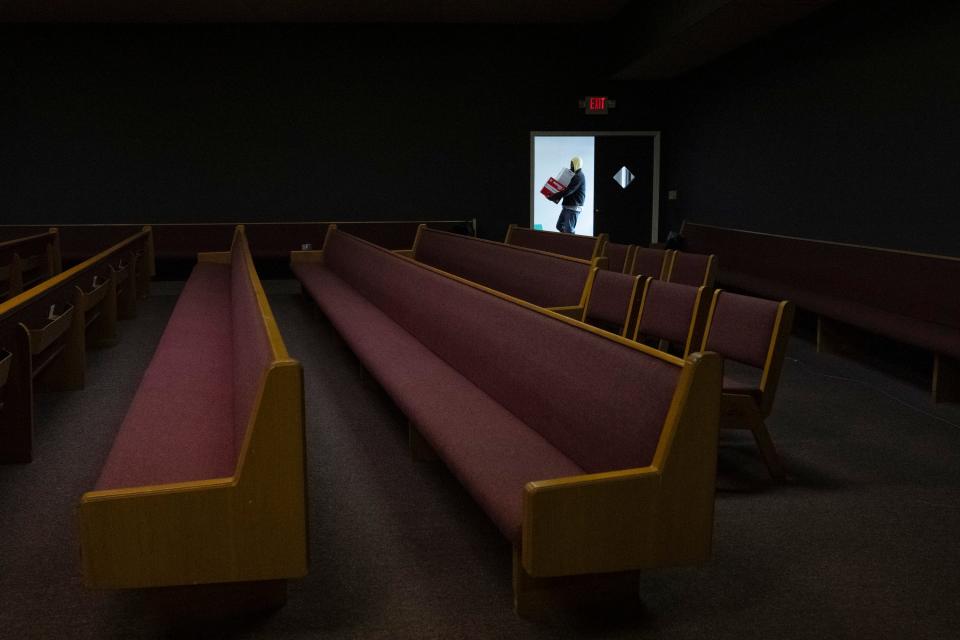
x: 50, y: 353
x: 600, y: 527
x: 744, y: 411
x: 599, y: 241
x: 19, y: 265
x: 249, y: 527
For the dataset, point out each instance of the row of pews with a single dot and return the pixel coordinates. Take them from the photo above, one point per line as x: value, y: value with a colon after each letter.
x: 683, y: 267
x: 45, y: 330
x: 613, y: 475
x: 471, y: 339
x: 671, y: 316
x: 856, y: 292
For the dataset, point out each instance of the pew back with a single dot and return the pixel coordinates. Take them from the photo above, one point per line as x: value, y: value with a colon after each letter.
x: 565, y: 244
x: 698, y: 270
x: 612, y: 302
x: 545, y: 279
x: 671, y: 312
x: 652, y: 263
x: 520, y: 359
x: 619, y: 256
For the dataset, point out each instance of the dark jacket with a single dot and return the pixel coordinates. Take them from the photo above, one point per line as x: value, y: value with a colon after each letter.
x: 576, y: 192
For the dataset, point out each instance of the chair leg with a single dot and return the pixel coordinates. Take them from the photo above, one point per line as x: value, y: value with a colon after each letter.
x: 767, y: 450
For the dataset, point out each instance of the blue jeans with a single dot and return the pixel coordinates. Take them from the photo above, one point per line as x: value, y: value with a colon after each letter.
x: 567, y: 220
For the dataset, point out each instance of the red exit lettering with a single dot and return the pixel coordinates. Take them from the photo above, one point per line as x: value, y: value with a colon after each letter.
x: 598, y: 104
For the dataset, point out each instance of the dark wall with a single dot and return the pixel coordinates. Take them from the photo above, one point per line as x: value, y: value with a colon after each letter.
x: 844, y: 127
x: 185, y: 123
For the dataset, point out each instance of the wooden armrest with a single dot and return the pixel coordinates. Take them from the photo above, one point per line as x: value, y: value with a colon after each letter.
x: 572, y: 311
x: 654, y: 516
x: 215, y: 257
x: 590, y: 524
x: 407, y: 253
x: 306, y: 256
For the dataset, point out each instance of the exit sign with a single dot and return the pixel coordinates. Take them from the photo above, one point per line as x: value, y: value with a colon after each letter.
x: 597, y: 105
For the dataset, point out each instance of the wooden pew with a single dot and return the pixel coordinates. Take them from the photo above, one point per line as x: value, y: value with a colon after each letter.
x: 25, y: 262
x: 748, y: 403
x: 594, y: 455
x: 564, y: 244
x: 613, y: 302
x: 46, y: 330
x: 652, y: 263
x: 205, y: 483
x: 694, y: 269
x: 550, y: 280
x: 619, y: 256
x: 855, y: 291
x: 672, y: 314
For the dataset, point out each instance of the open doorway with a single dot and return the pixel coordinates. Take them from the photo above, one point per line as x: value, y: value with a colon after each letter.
x: 622, y: 175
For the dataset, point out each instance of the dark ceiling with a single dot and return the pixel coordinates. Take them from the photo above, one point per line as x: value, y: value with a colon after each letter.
x: 653, y: 38
x: 322, y: 11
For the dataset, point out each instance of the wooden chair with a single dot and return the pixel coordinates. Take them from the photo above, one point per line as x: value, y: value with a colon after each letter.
x: 653, y: 263
x: 692, y: 268
x: 754, y: 332
x: 672, y: 313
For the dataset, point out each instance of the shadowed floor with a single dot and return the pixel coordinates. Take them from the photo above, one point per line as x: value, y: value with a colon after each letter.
x: 860, y: 542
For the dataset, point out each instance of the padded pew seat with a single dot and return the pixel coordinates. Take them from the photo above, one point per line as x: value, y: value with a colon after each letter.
x: 494, y: 468
x: 180, y: 426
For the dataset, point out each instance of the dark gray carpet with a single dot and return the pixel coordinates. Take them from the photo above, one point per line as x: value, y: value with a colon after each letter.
x: 861, y: 542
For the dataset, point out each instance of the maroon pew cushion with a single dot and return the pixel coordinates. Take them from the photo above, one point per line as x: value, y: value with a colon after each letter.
x: 554, y: 377
x: 649, y: 262
x: 689, y: 268
x: 742, y: 327
x: 180, y: 425
x: 667, y: 311
x: 616, y: 256
x: 610, y: 298
x: 564, y: 244
x: 492, y: 453
x: 545, y: 280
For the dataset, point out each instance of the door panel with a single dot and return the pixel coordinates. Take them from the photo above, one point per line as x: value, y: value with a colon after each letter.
x: 623, y: 213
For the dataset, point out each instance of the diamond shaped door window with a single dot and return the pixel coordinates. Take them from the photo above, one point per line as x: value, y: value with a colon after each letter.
x: 623, y: 177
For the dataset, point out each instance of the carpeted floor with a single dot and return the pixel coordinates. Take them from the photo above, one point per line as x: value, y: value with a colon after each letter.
x: 861, y: 542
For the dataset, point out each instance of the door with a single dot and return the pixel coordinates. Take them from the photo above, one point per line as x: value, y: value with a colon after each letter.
x: 623, y: 187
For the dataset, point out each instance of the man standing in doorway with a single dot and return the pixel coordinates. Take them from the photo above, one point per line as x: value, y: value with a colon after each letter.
x: 572, y: 198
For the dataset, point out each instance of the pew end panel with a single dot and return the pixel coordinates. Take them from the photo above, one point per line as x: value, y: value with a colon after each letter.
x: 661, y: 515
x: 246, y: 528
x: 250, y: 527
